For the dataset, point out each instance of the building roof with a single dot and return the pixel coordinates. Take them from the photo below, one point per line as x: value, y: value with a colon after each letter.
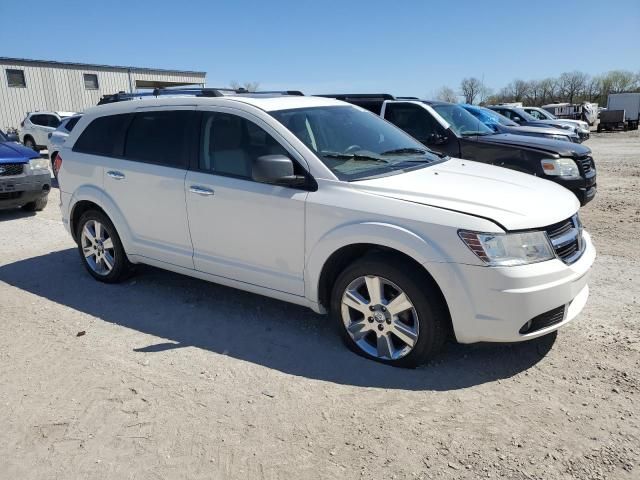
x: 14, y: 61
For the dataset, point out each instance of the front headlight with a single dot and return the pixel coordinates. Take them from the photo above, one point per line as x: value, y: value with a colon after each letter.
x: 509, y: 249
x: 562, y: 167
x: 562, y: 138
x: 38, y: 166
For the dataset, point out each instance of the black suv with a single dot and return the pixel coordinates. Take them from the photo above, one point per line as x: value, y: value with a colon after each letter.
x: 449, y: 129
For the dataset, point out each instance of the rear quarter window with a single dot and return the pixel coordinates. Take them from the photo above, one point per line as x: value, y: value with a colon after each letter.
x: 103, y: 136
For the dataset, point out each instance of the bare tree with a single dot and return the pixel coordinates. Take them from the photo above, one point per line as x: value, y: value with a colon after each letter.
x: 518, y: 89
x: 572, y: 84
x: 471, y: 88
x: 248, y: 86
x: 447, y: 94
x: 534, y: 93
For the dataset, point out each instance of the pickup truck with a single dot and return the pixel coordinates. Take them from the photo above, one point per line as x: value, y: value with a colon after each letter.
x: 449, y: 129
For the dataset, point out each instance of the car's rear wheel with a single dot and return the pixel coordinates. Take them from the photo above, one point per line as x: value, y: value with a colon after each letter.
x: 389, y: 311
x: 29, y: 143
x: 100, y: 248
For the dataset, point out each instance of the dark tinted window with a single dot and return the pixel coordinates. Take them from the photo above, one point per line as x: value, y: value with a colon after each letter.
x: 52, y: 121
x: 229, y: 144
x: 158, y: 137
x: 414, y: 120
x: 103, y: 136
x: 71, y: 123
x: 39, y: 120
x: 15, y: 78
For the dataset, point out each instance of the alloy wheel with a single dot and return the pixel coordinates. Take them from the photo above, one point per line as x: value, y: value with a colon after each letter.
x: 97, y: 247
x: 379, y: 317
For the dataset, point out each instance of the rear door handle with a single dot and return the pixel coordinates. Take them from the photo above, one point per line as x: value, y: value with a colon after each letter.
x: 198, y: 190
x: 116, y: 175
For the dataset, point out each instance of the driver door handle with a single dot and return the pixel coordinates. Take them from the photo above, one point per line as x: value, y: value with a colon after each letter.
x: 198, y: 190
x: 115, y: 174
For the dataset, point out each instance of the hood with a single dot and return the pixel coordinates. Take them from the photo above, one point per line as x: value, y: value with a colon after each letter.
x: 574, y: 123
x: 558, y: 147
x: 512, y: 199
x: 12, y: 152
x: 541, y: 131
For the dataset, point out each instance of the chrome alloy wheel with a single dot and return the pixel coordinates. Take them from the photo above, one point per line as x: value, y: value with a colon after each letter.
x: 379, y: 317
x: 97, y: 247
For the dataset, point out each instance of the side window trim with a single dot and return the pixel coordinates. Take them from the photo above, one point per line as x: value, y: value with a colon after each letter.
x: 293, y: 153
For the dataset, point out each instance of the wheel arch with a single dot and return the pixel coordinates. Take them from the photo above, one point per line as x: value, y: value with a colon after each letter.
x: 346, y: 244
x: 89, y: 197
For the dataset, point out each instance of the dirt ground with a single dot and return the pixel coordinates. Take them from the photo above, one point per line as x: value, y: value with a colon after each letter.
x: 177, y: 378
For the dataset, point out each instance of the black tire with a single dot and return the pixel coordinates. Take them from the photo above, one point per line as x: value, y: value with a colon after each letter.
x: 30, y: 143
x: 418, y: 286
x: 121, y: 266
x: 37, y: 205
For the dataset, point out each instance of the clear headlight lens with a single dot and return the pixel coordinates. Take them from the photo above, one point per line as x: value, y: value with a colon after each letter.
x: 509, y: 249
x: 563, y: 138
x: 38, y: 166
x: 563, y: 167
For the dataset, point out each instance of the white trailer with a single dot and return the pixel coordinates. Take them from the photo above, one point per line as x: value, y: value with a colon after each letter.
x: 630, y: 103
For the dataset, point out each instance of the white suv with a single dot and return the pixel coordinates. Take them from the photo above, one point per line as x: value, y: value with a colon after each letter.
x: 323, y: 204
x: 36, y: 127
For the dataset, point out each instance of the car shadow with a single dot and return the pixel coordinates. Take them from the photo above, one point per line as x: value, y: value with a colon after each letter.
x: 14, y: 214
x: 188, y: 312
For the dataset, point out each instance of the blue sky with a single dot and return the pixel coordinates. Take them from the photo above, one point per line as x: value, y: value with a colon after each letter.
x: 403, y: 47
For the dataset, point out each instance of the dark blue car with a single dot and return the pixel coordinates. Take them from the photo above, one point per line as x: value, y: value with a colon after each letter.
x: 25, y: 180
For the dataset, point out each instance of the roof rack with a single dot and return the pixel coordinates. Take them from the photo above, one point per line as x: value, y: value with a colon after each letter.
x: 361, y: 96
x: 195, y: 91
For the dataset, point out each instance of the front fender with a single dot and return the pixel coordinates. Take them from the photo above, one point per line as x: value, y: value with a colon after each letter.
x: 382, y: 234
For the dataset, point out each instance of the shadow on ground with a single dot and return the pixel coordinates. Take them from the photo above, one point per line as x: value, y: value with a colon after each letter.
x: 190, y: 312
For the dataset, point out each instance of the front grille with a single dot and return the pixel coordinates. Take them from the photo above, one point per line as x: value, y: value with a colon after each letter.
x: 10, y: 169
x: 566, y: 238
x: 586, y: 164
x: 10, y: 195
x: 544, y: 320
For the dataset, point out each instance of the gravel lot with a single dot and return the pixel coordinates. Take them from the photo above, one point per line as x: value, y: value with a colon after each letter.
x: 178, y: 378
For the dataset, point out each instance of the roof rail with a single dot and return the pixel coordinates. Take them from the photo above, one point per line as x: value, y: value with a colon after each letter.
x: 195, y: 91
x: 361, y: 96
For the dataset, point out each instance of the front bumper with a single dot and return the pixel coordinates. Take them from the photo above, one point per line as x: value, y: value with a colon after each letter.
x: 584, y: 188
x: 493, y: 304
x: 19, y: 190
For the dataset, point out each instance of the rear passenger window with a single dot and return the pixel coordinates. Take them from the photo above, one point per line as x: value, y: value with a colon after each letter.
x: 103, y: 136
x: 230, y: 144
x: 71, y: 123
x: 158, y: 137
x: 38, y: 120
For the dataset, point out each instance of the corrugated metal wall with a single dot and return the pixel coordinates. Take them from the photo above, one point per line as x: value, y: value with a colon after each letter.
x: 61, y: 88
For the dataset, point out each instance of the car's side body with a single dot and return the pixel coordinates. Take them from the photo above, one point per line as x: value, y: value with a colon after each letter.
x: 56, y: 138
x: 290, y: 242
x: 36, y: 127
x: 582, y: 127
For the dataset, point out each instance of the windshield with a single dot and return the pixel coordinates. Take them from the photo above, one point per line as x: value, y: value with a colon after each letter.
x: 354, y: 143
x: 489, y: 117
x: 461, y: 121
x: 3, y: 138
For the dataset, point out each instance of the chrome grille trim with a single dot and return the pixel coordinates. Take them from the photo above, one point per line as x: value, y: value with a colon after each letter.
x: 566, y: 239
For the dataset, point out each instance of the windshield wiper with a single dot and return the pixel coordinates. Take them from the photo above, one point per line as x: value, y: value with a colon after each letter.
x: 353, y: 156
x: 404, y: 150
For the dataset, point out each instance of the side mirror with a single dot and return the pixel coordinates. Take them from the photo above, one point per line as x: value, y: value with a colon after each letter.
x: 277, y: 170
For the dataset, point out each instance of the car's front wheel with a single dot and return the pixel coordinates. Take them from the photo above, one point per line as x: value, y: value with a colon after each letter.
x: 30, y: 143
x: 100, y: 248
x: 389, y: 311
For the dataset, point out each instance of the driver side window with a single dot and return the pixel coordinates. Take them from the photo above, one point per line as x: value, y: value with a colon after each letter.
x: 414, y: 120
x: 230, y: 144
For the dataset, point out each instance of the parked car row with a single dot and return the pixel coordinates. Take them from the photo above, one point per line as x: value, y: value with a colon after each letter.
x: 450, y: 129
x: 395, y: 232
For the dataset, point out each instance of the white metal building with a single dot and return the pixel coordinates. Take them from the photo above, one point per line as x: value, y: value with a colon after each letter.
x: 30, y: 85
